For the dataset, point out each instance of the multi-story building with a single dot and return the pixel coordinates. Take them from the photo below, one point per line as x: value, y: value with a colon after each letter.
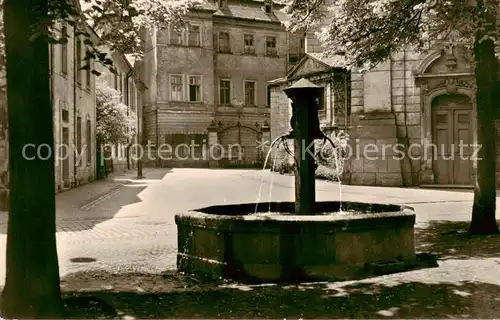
x: 207, y: 82
x: 125, y: 81
x: 73, y: 100
x: 407, y: 118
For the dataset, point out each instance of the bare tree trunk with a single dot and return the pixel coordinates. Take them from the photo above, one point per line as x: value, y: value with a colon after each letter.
x: 32, y: 282
x: 483, y: 211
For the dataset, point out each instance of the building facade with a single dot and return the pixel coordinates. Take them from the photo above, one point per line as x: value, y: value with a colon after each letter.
x: 73, y: 98
x: 411, y: 120
x: 207, y: 83
x: 124, y: 79
x: 73, y: 101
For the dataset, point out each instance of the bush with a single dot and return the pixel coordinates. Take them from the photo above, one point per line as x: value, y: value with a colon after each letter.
x: 284, y: 166
x: 329, y: 159
x: 325, y: 173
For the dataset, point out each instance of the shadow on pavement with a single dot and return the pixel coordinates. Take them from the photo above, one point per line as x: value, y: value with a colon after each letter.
x: 181, y: 299
x: 83, y: 207
x: 450, y: 240
x: 104, y: 209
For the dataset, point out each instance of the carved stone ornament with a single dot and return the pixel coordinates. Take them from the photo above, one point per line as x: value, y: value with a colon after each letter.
x: 451, y: 85
x: 424, y: 87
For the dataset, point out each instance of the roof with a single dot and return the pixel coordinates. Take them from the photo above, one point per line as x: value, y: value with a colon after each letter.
x: 336, y: 61
x: 205, y: 5
x: 321, y: 64
x: 251, y: 10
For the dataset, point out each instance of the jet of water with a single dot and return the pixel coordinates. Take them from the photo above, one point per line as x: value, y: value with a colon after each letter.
x: 339, y: 145
x: 280, y: 138
x: 272, y: 180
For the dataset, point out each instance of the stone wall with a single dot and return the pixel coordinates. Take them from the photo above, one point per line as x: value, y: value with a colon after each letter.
x: 385, y: 108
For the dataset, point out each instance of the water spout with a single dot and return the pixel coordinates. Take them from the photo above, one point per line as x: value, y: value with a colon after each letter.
x: 338, y: 147
x: 280, y: 139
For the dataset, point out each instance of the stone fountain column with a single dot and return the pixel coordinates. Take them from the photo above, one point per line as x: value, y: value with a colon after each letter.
x: 305, y: 129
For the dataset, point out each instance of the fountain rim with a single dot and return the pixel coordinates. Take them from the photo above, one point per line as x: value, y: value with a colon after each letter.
x: 404, y: 211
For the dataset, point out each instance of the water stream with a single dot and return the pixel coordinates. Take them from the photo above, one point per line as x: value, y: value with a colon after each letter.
x: 263, y: 176
x: 338, y: 171
x: 272, y: 180
x: 338, y: 143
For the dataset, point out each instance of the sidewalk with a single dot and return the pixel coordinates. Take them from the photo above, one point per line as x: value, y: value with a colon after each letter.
x: 70, y: 203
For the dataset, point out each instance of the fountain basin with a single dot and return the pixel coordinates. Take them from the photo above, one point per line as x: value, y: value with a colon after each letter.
x: 232, y: 242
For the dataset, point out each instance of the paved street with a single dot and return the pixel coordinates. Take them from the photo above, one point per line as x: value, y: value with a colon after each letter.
x: 128, y: 225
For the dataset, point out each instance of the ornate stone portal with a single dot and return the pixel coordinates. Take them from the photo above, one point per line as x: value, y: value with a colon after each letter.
x: 445, y: 72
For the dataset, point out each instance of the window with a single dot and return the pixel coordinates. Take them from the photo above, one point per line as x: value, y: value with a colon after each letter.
x: 132, y: 97
x: 194, y: 36
x: 224, y: 45
x: 271, y: 46
x: 250, y: 93
x: 176, y: 87
x: 249, y: 43
x: 225, y: 92
x: 78, y: 137
x: 120, y: 86
x: 268, y: 8
x: 321, y: 100
x: 176, y: 36
x: 64, y: 51
x: 78, y: 61
x: 51, y: 59
x: 268, y: 96
x: 194, y: 88
x: 88, y: 74
x: 89, y: 142
x: 116, y: 80
x: 65, y: 115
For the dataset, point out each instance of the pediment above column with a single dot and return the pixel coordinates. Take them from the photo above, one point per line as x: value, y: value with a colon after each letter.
x: 446, y: 60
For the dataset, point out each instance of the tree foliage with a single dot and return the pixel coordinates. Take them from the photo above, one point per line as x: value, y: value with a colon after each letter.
x: 119, y: 24
x: 113, y: 123
x: 368, y: 32
x: 364, y: 33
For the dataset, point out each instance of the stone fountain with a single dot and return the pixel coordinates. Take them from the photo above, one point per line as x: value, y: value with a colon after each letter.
x: 297, y: 241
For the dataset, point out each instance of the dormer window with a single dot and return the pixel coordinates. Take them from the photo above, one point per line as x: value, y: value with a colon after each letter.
x: 268, y: 6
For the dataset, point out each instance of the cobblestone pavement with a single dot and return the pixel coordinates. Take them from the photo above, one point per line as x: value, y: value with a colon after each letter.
x: 128, y: 225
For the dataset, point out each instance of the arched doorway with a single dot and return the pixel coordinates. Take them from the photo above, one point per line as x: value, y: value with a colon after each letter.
x: 452, y: 125
x: 241, y: 146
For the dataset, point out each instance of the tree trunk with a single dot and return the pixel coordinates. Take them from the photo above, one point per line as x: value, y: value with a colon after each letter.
x: 484, y: 207
x: 32, y: 279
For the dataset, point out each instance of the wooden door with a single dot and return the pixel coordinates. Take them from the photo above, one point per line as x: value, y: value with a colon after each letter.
x: 452, y: 135
x: 462, y: 163
x: 65, y: 157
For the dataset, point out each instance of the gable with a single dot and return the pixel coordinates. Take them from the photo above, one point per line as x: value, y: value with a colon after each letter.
x: 306, y: 67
